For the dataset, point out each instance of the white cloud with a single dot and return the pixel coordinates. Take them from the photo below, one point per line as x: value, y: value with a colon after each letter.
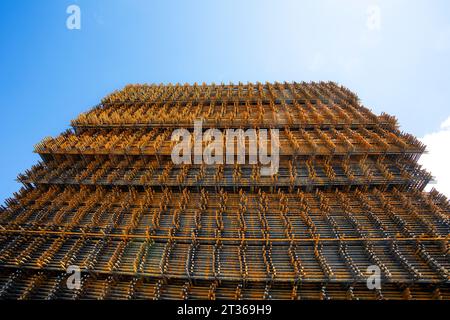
x: 442, y: 41
x: 317, y: 62
x: 446, y: 124
x: 437, y: 161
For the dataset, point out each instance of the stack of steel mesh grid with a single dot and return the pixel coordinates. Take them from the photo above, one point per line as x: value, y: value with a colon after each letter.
x: 107, y: 198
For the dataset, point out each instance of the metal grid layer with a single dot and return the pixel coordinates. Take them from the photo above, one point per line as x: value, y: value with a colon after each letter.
x: 332, y: 141
x: 306, y: 171
x: 374, y: 213
x: 20, y: 284
x: 343, y: 261
x: 282, y: 104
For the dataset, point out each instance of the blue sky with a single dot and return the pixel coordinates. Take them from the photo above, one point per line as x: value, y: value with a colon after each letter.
x: 394, y: 54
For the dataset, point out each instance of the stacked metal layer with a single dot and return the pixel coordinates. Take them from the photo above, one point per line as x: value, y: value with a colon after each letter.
x: 107, y: 198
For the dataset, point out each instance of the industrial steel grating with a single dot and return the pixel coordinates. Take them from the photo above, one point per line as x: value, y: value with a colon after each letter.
x: 107, y: 198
